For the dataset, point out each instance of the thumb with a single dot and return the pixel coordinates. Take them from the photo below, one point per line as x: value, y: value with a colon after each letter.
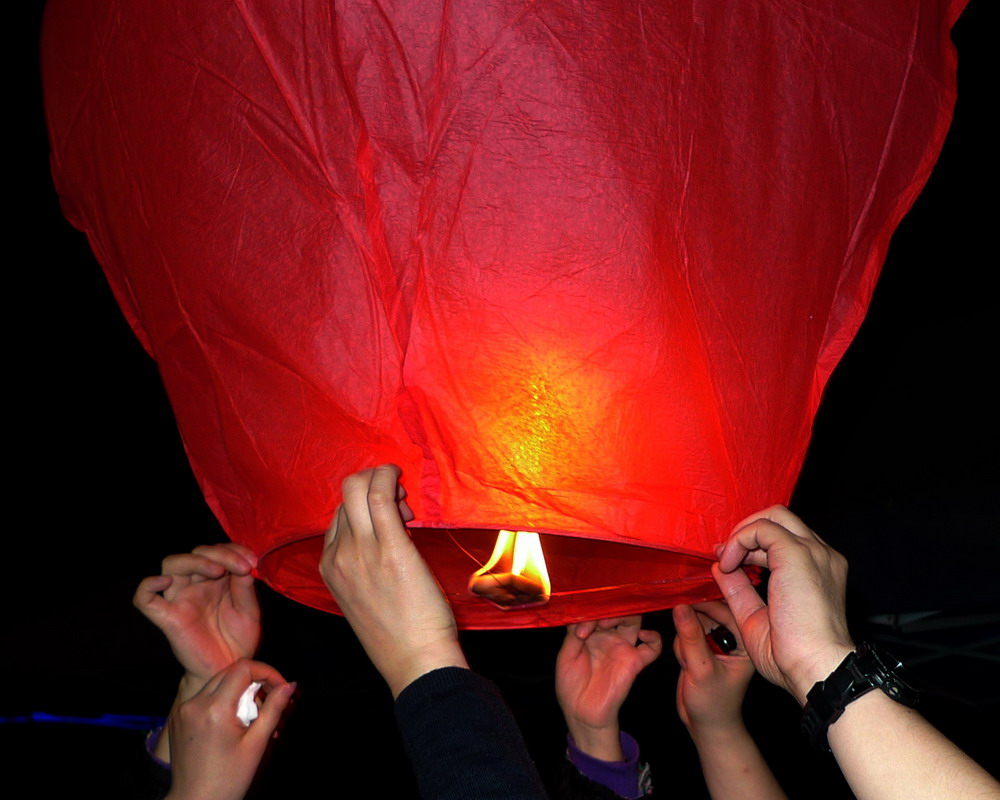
x: 243, y: 593
x: 690, y: 646
x: 572, y: 645
x: 739, y: 593
x: 687, y: 625
x: 652, y: 646
x: 583, y: 630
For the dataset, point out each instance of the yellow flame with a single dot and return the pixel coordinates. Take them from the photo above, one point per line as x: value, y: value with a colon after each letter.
x: 529, y: 560
x: 519, y: 553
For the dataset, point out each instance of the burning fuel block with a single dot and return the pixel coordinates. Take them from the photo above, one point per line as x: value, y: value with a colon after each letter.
x: 516, y: 575
x: 506, y: 590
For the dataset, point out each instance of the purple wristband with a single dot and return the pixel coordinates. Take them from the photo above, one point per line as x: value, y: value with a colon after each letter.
x: 621, y: 777
x: 152, y: 740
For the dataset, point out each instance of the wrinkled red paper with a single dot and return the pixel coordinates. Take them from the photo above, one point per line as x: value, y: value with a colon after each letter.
x: 581, y: 268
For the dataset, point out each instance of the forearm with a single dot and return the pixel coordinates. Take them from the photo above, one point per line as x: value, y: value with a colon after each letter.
x: 888, y: 751
x: 733, y: 767
x: 462, y: 741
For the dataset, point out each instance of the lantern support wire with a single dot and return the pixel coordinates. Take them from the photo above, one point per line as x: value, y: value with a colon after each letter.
x: 475, y: 560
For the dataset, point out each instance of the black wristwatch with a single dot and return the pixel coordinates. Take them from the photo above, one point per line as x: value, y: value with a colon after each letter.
x: 859, y: 673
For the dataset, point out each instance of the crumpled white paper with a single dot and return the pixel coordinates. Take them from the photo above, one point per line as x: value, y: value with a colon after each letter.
x: 247, y: 708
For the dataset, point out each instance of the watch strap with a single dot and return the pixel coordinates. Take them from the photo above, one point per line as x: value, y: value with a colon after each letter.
x: 861, y: 671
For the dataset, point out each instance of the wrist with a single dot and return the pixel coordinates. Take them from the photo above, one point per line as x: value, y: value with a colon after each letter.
x: 718, y: 734
x: 187, y: 688
x: 818, y: 669
x: 416, y: 665
x: 190, y: 684
x: 602, y: 743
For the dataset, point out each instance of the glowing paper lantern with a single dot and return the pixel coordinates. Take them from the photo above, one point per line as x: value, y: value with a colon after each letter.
x: 582, y: 269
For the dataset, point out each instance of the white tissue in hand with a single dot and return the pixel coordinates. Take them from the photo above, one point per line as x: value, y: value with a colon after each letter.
x: 247, y: 709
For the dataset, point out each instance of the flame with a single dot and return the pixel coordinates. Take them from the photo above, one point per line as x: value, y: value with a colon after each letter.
x: 517, y: 565
x: 519, y: 553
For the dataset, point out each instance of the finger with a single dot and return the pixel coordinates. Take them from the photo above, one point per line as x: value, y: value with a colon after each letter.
x: 235, y: 558
x: 583, y: 630
x: 213, y: 683
x: 740, y: 594
x: 753, y: 543
x: 243, y: 550
x: 572, y: 645
x: 243, y: 594
x: 147, y: 596
x: 706, y: 622
x: 689, y: 630
x: 274, y: 706
x: 149, y: 588
x: 355, y: 509
x: 338, y: 534
x: 404, y: 508
x: 188, y: 565
x: 384, y: 513
x: 612, y: 622
x: 713, y: 613
x: 625, y: 628
x: 695, y: 654
x: 240, y: 674
x: 717, y: 610
x: 338, y: 525
x: 651, y: 646
x: 791, y: 522
x: 779, y: 515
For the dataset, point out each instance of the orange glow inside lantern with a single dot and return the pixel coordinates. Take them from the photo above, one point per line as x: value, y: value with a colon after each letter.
x: 516, y: 575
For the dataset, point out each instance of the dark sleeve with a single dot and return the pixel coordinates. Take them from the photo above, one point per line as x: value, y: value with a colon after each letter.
x: 571, y: 784
x: 462, y: 740
x: 147, y: 777
x: 158, y: 785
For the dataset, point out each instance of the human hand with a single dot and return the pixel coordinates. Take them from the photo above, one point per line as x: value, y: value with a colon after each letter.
x: 595, y: 669
x: 800, y: 636
x: 206, y: 605
x: 711, y: 687
x: 214, y: 756
x: 382, y: 584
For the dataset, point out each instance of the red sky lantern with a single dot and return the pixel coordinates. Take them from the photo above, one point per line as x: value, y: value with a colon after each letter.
x: 578, y: 270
